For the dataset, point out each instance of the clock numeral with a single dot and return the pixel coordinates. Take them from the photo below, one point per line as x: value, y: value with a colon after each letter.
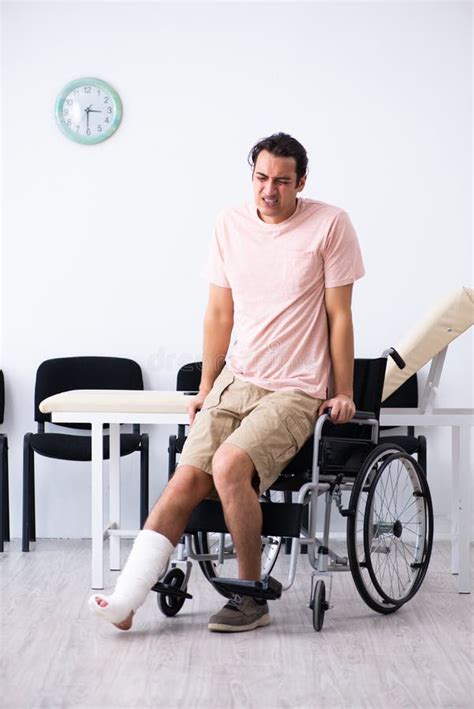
x: 106, y: 99
x: 78, y: 128
x: 99, y: 128
x: 88, y: 131
x: 69, y: 121
x: 109, y: 110
x: 65, y: 112
x: 98, y: 92
x: 87, y: 89
x: 68, y: 101
x: 76, y: 92
x: 107, y: 120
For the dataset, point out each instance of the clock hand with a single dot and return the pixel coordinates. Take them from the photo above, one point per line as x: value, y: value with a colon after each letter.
x: 93, y: 110
x: 87, y: 111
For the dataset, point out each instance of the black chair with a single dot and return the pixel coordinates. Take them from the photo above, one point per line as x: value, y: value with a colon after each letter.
x: 4, y: 493
x: 188, y: 379
x: 406, y: 397
x: 63, y: 374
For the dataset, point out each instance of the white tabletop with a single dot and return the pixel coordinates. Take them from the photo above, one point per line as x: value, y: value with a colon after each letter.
x: 436, y: 417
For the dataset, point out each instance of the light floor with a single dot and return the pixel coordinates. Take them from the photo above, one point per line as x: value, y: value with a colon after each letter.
x: 54, y: 654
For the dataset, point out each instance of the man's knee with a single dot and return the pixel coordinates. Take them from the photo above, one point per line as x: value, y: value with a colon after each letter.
x: 232, y: 468
x: 189, y: 482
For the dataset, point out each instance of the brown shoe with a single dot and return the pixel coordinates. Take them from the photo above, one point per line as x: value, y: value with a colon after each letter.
x: 239, y: 614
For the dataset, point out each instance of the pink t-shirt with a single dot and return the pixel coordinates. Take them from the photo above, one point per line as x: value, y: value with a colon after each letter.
x: 278, y: 274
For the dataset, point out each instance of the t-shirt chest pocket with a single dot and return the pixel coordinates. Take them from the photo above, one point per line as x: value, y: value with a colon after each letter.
x: 298, y: 271
x: 277, y: 273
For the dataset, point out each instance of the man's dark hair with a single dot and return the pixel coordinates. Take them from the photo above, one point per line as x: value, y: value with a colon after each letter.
x: 282, y: 145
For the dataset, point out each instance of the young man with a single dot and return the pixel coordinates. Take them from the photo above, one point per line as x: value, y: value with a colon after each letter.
x: 281, y: 274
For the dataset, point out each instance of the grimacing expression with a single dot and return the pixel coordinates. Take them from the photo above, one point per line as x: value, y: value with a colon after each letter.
x: 275, y: 188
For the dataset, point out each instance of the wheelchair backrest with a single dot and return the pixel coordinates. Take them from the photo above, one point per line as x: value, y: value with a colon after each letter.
x: 369, y: 375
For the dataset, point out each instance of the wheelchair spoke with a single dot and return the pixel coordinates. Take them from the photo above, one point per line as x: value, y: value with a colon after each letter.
x: 408, y: 505
x: 392, y: 490
x: 397, y: 570
x: 403, y: 559
x: 406, y: 546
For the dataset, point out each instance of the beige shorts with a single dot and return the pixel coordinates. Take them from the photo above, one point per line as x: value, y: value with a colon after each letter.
x: 270, y: 426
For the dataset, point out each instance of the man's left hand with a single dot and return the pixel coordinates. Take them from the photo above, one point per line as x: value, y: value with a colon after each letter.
x: 342, y: 408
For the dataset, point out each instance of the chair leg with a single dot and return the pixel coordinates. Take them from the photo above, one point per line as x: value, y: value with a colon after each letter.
x: 2, y: 491
x: 171, y: 456
x: 144, y: 479
x: 32, y: 496
x: 6, y: 493
x: 28, y: 526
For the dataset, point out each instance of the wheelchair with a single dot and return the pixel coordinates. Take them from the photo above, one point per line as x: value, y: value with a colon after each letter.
x: 378, y: 487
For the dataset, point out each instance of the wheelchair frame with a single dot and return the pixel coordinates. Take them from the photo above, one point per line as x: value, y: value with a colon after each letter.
x: 381, y: 535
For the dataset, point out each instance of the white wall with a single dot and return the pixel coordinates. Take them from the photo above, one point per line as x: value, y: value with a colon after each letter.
x: 102, y: 245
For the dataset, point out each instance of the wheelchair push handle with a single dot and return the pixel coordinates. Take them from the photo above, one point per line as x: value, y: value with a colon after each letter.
x: 399, y: 361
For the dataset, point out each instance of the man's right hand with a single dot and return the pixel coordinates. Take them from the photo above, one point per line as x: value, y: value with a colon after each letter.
x: 195, y: 405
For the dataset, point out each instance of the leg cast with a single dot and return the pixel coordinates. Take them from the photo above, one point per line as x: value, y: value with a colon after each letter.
x: 153, y: 546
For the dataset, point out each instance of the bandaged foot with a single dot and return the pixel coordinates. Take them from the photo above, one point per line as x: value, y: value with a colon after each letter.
x: 147, y: 560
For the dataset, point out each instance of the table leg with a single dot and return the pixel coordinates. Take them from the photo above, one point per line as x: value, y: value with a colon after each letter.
x: 455, y: 431
x: 464, y: 578
x: 114, y: 494
x: 97, y: 511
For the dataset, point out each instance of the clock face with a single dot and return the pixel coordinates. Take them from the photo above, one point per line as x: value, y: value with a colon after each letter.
x: 88, y: 110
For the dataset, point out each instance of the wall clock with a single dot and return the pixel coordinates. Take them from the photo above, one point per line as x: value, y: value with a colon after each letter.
x: 88, y: 110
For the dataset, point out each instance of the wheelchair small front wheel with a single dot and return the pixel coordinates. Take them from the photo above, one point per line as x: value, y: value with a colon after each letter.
x: 319, y: 605
x: 169, y: 604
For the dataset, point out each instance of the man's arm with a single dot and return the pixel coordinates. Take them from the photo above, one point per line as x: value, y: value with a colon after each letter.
x: 218, y: 324
x: 341, y: 346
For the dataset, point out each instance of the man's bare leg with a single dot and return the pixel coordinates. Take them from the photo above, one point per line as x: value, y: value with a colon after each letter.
x: 233, y: 472
x: 186, y: 489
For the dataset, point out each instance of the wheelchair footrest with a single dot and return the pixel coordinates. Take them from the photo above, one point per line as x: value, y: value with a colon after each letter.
x: 268, y: 588
x: 169, y: 590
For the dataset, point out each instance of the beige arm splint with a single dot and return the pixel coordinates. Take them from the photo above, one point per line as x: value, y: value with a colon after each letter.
x: 449, y: 319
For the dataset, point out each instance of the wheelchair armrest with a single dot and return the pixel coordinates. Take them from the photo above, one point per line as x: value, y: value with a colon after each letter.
x: 363, y: 415
x: 358, y: 416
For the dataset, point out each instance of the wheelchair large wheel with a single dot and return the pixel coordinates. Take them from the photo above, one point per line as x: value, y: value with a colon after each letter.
x: 398, y: 528
x: 390, y: 528
x: 355, y: 528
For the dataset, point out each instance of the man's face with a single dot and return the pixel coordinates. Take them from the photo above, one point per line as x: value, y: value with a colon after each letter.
x: 274, y: 187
